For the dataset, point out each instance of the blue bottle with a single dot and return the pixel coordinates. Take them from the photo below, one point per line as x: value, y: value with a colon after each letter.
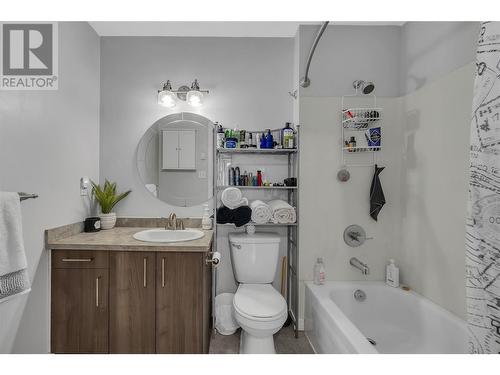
x: 269, y: 139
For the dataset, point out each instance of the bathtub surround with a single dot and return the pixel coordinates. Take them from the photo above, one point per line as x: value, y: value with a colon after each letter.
x: 48, y: 141
x: 483, y: 220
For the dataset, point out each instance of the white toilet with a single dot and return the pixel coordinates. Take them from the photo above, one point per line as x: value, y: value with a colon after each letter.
x: 259, y: 309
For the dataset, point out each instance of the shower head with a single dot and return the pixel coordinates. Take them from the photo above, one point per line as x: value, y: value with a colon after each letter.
x: 365, y: 87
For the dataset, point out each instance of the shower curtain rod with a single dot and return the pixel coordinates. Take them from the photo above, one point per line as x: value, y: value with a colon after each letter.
x: 305, y: 82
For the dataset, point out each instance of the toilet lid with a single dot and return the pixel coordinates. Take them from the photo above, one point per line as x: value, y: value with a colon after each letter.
x: 259, y: 300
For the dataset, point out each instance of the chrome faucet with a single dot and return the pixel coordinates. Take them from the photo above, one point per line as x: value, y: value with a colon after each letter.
x: 356, y: 263
x: 173, y: 223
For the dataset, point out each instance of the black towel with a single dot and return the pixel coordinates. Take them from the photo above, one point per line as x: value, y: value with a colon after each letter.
x: 377, y: 199
x: 239, y: 216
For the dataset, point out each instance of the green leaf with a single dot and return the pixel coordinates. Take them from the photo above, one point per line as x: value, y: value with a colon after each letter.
x: 106, y: 195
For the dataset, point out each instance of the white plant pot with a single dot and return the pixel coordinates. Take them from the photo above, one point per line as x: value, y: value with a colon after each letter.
x: 108, y: 221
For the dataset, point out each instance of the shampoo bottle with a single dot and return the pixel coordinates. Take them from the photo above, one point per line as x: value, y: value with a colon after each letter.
x: 392, y: 274
x: 319, y: 272
x: 206, y: 221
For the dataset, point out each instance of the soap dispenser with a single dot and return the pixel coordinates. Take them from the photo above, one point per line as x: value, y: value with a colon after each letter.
x: 392, y: 274
x: 206, y: 221
x: 319, y: 272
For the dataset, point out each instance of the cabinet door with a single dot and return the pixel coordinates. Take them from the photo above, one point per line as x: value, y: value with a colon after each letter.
x: 79, y: 311
x: 180, y: 303
x: 187, y: 149
x: 132, y: 302
x: 170, y: 149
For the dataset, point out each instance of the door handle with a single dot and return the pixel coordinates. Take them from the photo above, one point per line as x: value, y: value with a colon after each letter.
x: 145, y: 272
x: 163, y: 272
x: 97, y: 291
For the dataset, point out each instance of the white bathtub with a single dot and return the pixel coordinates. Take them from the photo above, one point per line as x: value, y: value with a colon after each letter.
x: 395, y: 320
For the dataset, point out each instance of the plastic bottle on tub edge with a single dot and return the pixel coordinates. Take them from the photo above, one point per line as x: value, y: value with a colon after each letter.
x: 392, y: 274
x: 206, y: 221
x: 319, y: 272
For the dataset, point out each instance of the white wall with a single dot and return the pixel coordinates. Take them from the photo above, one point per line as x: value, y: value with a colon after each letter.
x: 248, y: 79
x: 347, y: 53
x: 48, y: 140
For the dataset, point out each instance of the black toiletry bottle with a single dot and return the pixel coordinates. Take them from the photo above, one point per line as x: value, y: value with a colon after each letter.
x: 237, y: 175
x: 352, y: 144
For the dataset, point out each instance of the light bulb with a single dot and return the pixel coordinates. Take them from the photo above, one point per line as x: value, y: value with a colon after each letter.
x: 195, y: 98
x: 167, y: 99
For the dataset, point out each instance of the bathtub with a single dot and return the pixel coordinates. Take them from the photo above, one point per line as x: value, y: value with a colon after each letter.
x: 389, y: 320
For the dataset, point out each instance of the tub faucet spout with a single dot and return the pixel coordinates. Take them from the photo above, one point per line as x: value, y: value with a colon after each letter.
x: 356, y: 263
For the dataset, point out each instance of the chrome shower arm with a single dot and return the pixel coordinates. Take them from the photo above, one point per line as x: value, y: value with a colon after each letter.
x: 305, y: 82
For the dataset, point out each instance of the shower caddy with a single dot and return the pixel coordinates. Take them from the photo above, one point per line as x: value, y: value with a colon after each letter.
x: 292, y: 229
x: 355, y: 121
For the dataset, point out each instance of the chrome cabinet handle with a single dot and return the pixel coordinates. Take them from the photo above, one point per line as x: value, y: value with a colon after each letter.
x: 163, y: 272
x: 77, y: 259
x: 145, y: 272
x: 97, y: 292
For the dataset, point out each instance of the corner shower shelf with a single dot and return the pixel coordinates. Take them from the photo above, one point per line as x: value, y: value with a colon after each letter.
x: 360, y: 118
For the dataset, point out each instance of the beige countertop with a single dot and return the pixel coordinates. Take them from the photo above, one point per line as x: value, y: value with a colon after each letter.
x: 120, y: 239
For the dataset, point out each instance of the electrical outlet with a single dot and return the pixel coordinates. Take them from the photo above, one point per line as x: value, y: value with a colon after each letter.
x: 202, y: 174
x: 84, y: 186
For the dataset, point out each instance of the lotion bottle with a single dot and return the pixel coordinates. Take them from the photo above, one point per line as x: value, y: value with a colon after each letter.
x: 319, y: 272
x: 392, y: 274
x: 206, y: 221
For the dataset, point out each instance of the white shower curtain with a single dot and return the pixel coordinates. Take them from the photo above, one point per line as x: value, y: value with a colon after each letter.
x: 483, y: 219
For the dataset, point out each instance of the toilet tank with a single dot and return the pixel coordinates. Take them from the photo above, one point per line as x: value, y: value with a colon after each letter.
x: 254, y: 257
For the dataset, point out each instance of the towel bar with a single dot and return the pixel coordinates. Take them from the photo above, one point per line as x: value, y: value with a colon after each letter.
x: 24, y: 196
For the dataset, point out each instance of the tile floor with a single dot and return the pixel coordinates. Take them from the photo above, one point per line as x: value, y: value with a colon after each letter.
x: 284, y: 340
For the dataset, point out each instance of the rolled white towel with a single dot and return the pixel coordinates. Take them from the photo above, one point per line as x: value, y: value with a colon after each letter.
x: 282, y: 212
x: 261, y: 213
x: 233, y: 198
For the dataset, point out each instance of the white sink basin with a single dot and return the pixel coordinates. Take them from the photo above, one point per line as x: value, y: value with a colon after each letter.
x: 162, y: 235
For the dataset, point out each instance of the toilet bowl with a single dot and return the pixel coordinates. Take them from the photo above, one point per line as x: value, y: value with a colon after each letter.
x: 261, y: 312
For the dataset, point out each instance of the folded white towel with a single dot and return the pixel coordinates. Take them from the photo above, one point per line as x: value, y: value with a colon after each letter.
x: 233, y: 198
x: 14, y: 278
x: 261, y: 213
x: 282, y: 212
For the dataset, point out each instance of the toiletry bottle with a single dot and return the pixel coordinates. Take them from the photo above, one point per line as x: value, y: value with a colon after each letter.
x: 206, y: 221
x: 221, y: 138
x: 269, y: 139
x: 392, y: 274
x: 319, y: 272
x: 352, y: 144
x: 259, y: 178
x: 287, y: 136
x: 237, y: 176
x: 231, y: 176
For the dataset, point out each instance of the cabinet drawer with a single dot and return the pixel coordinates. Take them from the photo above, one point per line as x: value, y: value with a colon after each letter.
x: 79, y: 259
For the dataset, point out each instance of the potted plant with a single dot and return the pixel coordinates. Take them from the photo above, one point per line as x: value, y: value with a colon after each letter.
x: 107, y: 199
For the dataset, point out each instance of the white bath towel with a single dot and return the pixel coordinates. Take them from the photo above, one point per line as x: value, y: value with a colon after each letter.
x: 233, y: 198
x: 261, y: 213
x: 14, y: 278
x: 282, y: 212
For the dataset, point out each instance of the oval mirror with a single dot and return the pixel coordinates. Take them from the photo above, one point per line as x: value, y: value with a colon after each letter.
x: 175, y: 159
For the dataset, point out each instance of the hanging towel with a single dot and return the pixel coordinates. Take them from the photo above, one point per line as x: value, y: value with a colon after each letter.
x: 282, y: 212
x: 239, y: 216
x: 14, y: 278
x: 377, y: 198
x: 232, y: 198
x: 261, y: 213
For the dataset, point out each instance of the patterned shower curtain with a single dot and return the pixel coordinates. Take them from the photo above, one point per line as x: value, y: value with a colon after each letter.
x: 483, y: 221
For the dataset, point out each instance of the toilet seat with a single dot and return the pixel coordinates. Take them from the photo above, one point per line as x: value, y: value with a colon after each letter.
x: 259, y: 302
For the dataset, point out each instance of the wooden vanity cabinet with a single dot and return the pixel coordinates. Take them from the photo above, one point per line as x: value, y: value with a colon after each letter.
x: 79, y: 302
x: 149, y: 302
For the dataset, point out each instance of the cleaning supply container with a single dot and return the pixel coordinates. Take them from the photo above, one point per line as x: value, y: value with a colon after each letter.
x: 225, y: 323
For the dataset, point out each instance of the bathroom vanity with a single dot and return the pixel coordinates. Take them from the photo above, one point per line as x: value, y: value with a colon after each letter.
x: 111, y: 293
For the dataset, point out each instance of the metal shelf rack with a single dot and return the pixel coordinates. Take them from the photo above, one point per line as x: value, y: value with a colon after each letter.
x: 292, y: 230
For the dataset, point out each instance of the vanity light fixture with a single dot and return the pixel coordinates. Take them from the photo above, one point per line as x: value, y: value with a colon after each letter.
x: 166, y: 97
x: 194, y: 96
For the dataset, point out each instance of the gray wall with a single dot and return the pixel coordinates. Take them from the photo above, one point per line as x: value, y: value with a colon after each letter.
x: 248, y: 79
x: 347, y: 53
x: 430, y: 50
x: 48, y: 140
